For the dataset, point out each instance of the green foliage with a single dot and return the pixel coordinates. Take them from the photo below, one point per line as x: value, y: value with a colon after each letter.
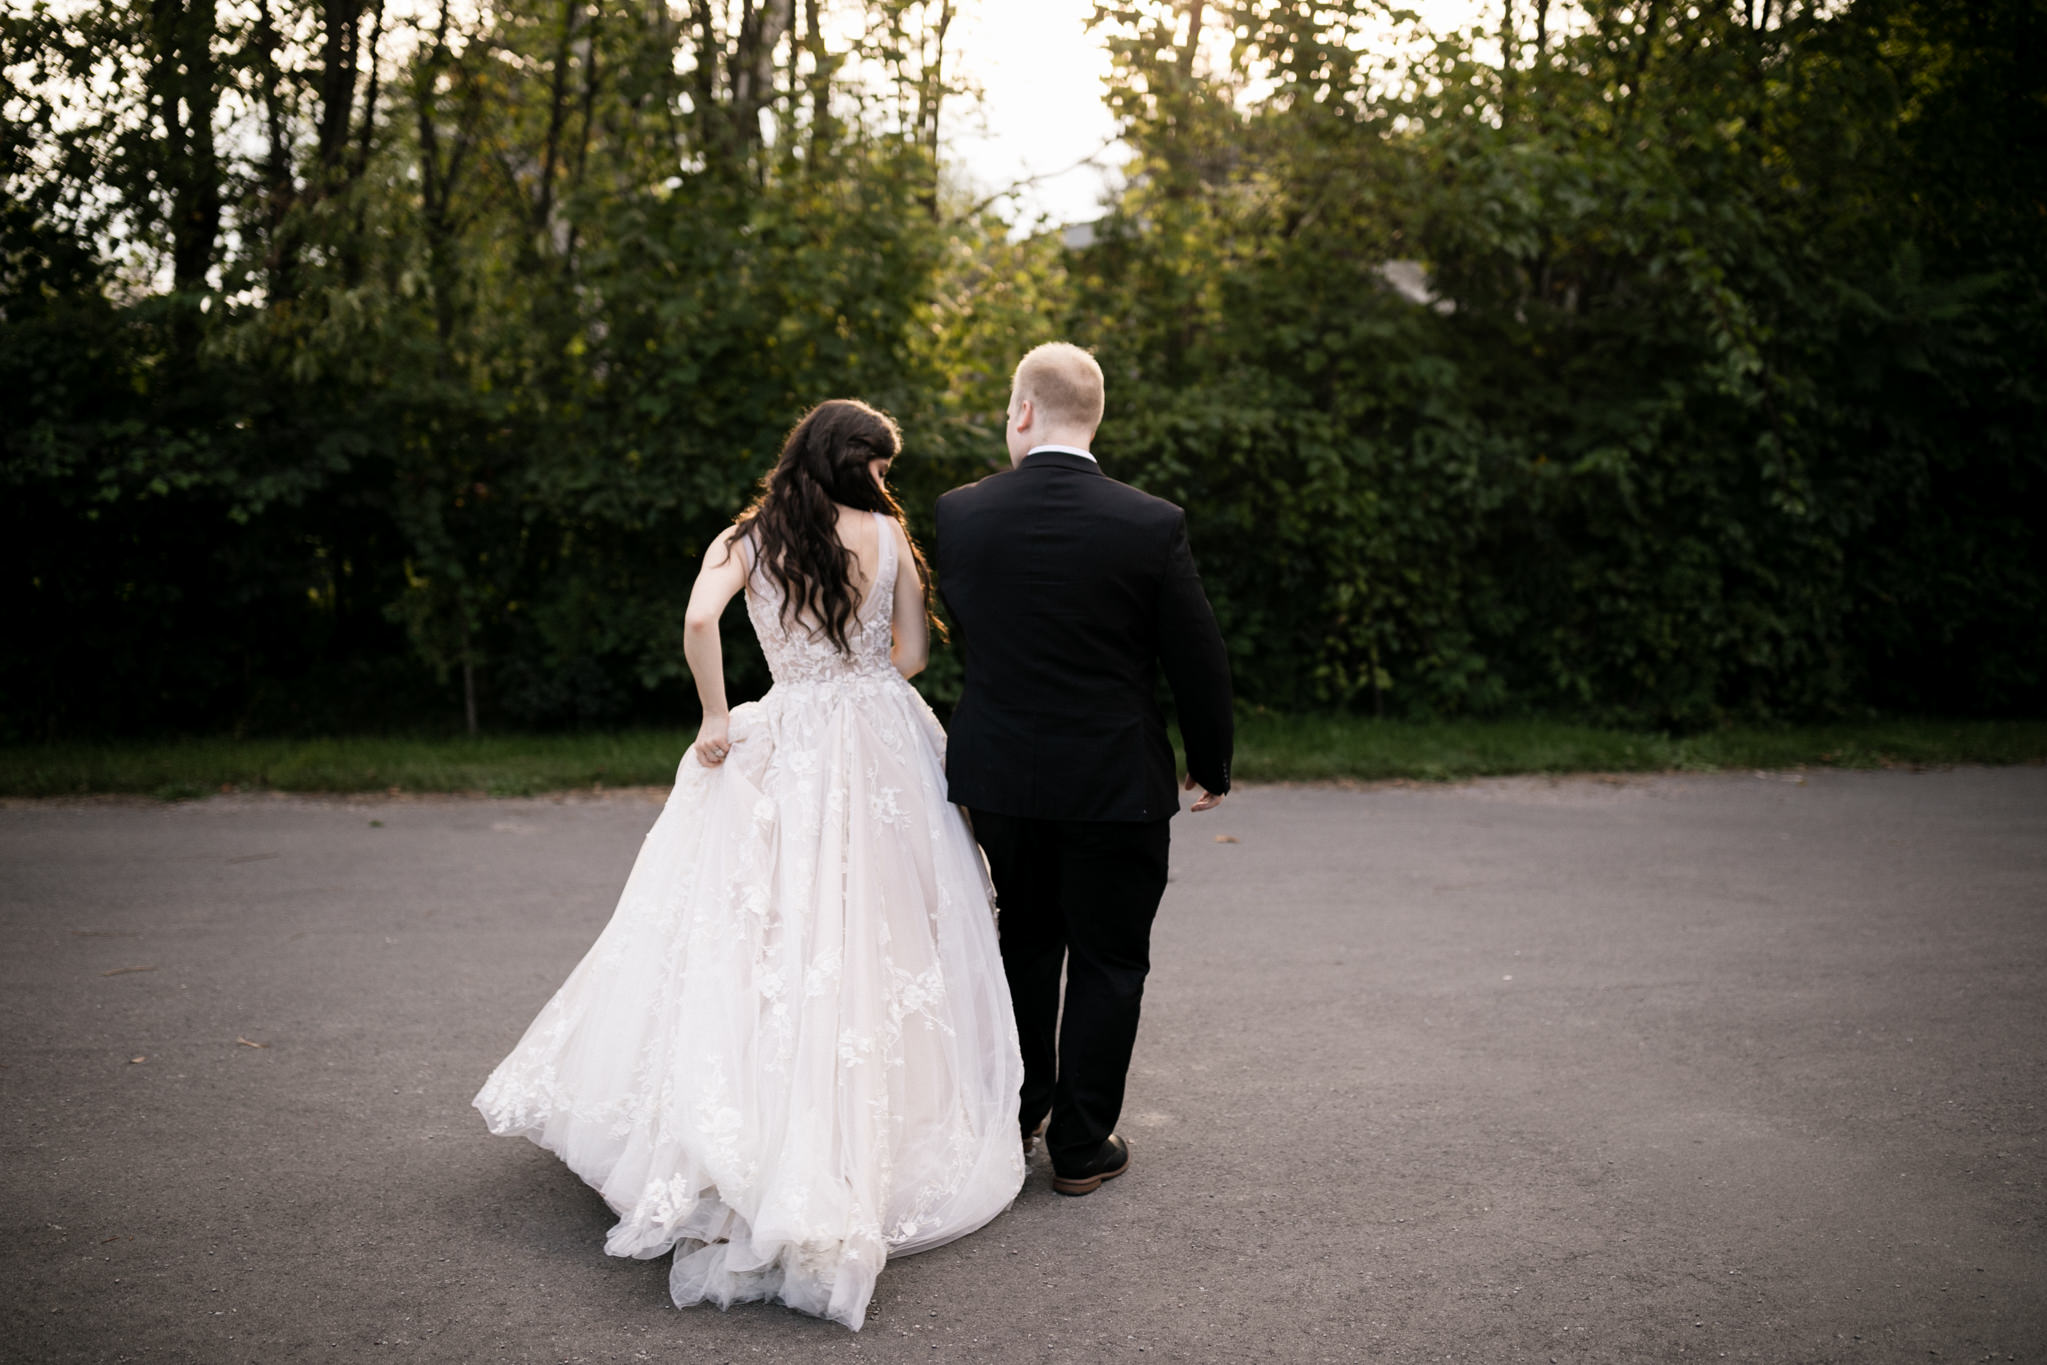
x: 493, y: 330
x: 1716, y: 412
x: 367, y: 366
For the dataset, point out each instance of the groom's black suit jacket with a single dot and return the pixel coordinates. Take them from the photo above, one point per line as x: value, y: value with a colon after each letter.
x: 1069, y: 591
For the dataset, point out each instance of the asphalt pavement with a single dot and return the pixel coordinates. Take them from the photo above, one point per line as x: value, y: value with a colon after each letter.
x: 1677, y: 1068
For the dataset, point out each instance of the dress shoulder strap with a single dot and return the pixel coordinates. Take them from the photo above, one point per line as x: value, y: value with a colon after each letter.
x: 885, y: 547
x: 748, y: 551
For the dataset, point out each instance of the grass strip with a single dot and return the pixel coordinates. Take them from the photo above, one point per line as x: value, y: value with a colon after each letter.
x: 1270, y: 748
x: 1274, y: 748
x: 495, y: 765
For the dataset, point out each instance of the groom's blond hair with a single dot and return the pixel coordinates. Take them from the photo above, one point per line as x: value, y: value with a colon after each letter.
x: 1063, y: 383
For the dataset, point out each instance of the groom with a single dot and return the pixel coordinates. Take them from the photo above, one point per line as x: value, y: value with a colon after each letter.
x: 1071, y: 591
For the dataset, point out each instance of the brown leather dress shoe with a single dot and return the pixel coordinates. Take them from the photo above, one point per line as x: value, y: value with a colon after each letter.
x: 1111, y: 1161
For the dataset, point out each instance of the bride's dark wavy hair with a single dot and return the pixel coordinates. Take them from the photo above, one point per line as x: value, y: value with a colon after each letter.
x: 794, y: 525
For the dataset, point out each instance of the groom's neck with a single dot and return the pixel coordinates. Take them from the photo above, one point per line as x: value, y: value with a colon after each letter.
x: 1078, y: 438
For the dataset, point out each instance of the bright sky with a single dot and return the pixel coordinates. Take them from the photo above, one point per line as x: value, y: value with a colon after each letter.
x: 1040, y: 71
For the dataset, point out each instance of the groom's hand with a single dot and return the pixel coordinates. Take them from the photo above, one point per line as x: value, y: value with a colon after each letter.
x: 1208, y: 800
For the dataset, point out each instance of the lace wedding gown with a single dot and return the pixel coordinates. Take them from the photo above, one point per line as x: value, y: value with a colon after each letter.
x: 790, y: 1054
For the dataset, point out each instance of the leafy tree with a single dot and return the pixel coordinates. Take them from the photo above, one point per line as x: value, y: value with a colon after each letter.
x: 1686, y: 379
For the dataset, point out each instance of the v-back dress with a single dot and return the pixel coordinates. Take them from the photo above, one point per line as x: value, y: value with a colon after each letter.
x: 790, y: 1054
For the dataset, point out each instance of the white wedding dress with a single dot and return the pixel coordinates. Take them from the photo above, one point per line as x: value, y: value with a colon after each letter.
x: 790, y: 1054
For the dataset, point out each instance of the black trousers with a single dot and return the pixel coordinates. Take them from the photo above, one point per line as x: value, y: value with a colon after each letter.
x: 1079, y: 894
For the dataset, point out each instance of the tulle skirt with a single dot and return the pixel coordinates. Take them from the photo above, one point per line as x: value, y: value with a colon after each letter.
x: 790, y: 1054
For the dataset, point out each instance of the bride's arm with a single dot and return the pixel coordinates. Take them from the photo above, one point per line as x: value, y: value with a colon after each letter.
x: 720, y: 579
x: 912, y: 648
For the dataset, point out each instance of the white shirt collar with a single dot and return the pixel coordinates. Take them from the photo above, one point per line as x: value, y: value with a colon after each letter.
x: 1063, y: 450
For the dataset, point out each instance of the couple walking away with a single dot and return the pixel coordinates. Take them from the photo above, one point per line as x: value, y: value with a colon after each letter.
x: 806, y: 1042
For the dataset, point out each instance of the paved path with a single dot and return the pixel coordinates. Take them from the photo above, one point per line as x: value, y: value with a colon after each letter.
x: 1670, y: 1069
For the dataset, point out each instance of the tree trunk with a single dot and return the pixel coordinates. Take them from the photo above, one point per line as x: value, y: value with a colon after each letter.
x: 359, y: 158
x: 340, y: 54
x: 186, y: 86
x: 587, y: 112
x: 439, y: 178
x: 930, y: 97
x: 704, y: 81
x: 1507, y: 50
x: 557, y: 119
x: 753, y: 69
x: 820, y: 81
x: 280, y: 182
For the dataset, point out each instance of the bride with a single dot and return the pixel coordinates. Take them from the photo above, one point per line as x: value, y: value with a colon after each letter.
x: 790, y: 1054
